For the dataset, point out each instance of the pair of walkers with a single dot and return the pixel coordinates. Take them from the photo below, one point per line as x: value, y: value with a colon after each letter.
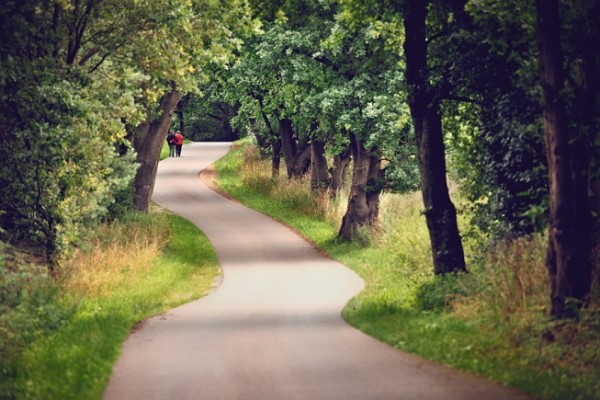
x: 175, y: 141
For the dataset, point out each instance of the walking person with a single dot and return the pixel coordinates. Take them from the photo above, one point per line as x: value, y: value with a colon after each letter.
x: 178, y: 143
x: 171, y: 142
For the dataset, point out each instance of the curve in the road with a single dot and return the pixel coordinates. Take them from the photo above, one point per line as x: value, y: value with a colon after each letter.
x: 273, y: 328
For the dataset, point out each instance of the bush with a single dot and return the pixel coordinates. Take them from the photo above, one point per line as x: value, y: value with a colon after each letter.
x: 30, y: 305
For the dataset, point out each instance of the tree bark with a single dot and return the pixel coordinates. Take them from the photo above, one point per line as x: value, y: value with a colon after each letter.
x: 363, y: 204
x: 276, y: 157
x: 319, y: 172
x: 147, y: 143
x: 180, y: 116
x: 569, y: 249
x: 589, y: 106
x: 446, y: 245
x: 338, y: 172
x: 262, y: 141
x: 296, y: 153
x: 374, y: 188
x: 288, y: 145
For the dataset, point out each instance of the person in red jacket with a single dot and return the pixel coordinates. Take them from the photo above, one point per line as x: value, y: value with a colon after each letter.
x: 178, y: 143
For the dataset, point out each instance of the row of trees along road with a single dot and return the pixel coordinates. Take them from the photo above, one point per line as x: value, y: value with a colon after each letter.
x: 505, y: 91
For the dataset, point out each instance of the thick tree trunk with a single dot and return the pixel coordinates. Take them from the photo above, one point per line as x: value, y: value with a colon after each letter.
x: 319, y: 172
x: 446, y: 245
x: 569, y: 249
x: 296, y: 153
x: 363, y: 205
x: 147, y: 143
x: 302, y: 161
x: 338, y: 172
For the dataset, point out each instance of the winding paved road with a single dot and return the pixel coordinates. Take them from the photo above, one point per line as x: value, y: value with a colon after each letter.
x: 273, y: 329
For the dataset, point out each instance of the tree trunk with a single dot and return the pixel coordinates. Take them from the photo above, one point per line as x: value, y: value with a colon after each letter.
x: 288, y: 145
x: 302, y: 161
x: 230, y: 133
x: 374, y: 188
x: 569, y: 250
x: 338, y: 172
x: 296, y: 153
x: 269, y: 144
x: 363, y: 205
x: 319, y: 172
x: 147, y: 144
x: 261, y: 140
x: 180, y: 116
x: 276, y: 158
x: 589, y: 106
x: 446, y: 245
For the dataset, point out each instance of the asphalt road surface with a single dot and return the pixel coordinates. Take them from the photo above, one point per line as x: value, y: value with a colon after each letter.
x: 273, y: 329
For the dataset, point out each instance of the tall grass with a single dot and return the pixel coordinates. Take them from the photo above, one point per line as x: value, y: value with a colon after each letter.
x: 114, y: 254
x: 492, y: 321
x: 132, y: 269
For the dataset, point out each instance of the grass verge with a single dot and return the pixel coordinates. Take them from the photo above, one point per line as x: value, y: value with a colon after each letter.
x: 492, y: 322
x: 140, y: 267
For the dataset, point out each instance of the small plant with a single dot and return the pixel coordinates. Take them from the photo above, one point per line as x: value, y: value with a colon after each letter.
x: 439, y: 293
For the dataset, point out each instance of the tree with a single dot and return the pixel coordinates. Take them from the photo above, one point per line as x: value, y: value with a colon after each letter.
x: 425, y: 109
x: 60, y: 129
x: 569, y: 258
x: 70, y: 79
x: 194, y: 34
x: 488, y: 58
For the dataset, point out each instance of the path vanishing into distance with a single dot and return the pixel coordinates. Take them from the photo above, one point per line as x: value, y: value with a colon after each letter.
x: 273, y: 329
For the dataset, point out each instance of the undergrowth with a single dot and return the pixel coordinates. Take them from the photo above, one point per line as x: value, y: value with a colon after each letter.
x: 492, y: 321
x: 131, y: 269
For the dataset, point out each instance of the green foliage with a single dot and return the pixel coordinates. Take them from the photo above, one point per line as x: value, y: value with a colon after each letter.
x: 76, y: 360
x: 30, y: 306
x: 206, y: 117
x: 311, y: 65
x: 438, y: 294
x: 502, y: 159
x: 72, y: 79
x: 61, y: 167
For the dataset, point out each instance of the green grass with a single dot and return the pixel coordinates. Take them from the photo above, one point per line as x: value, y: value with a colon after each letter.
x: 75, y: 362
x: 492, y: 322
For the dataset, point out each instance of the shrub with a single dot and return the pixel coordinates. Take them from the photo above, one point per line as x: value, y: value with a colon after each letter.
x: 439, y: 293
x: 30, y: 305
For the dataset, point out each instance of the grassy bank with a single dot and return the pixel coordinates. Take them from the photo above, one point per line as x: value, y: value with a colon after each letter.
x: 492, y: 321
x: 139, y: 267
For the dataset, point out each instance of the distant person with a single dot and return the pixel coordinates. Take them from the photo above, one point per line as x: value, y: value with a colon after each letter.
x: 178, y: 143
x: 171, y: 142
